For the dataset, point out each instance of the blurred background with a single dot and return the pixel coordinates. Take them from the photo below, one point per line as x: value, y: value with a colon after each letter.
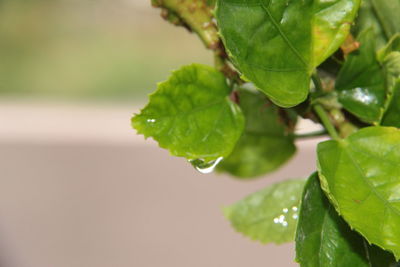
x: 78, y: 187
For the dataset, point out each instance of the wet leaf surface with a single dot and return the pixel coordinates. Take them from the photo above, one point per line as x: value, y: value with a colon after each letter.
x: 361, y: 82
x: 270, y: 215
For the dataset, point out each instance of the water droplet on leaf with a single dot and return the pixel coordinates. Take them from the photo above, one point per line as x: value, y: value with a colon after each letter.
x: 288, y: 215
x: 205, y: 167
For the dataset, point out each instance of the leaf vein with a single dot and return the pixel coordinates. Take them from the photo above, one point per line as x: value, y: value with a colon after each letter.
x: 282, y: 34
x: 368, y: 183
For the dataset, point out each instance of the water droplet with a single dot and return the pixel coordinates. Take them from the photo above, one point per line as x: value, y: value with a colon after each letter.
x: 285, y: 210
x: 205, y: 167
x: 151, y: 120
x: 294, y: 208
x: 295, y: 216
x: 281, y: 219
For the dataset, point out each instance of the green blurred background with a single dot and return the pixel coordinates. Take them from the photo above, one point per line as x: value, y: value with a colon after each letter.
x: 92, y: 50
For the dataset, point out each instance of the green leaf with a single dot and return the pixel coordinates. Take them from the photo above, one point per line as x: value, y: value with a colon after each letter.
x: 192, y: 116
x: 367, y: 19
x: 266, y: 143
x: 278, y: 43
x: 388, y: 14
x: 361, y: 177
x: 382, y: 17
x: 389, y: 57
x: 323, y: 239
x: 392, y: 63
x: 269, y: 215
x: 392, y: 115
x: 361, y: 82
x: 389, y: 53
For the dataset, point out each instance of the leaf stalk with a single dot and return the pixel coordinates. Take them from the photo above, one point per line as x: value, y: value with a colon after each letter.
x: 326, y: 121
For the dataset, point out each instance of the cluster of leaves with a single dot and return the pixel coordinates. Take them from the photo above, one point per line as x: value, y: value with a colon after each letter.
x: 240, y: 117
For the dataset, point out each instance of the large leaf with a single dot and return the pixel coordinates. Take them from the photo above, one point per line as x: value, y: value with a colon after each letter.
x: 361, y: 82
x: 323, y: 239
x: 192, y: 116
x: 278, y: 43
x: 269, y: 215
x: 266, y: 142
x: 361, y: 177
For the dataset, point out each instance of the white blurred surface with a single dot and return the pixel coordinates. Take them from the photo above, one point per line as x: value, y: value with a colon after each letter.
x: 61, y: 122
x: 78, y: 188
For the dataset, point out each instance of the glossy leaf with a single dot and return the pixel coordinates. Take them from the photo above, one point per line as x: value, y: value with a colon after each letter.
x: 192, y: 116
x: 361, y: 82
x: 277, y: 43
x: 323, y: 239
x: 266, y: 143
x: 270, y: 215
x: 361, y: 177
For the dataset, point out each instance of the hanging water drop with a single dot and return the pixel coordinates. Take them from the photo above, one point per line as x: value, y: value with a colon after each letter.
x: 205, y: 167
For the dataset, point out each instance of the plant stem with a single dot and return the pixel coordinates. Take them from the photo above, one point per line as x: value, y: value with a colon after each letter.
x: 317, y: 82
x: 196, y: 15
x: 310, y: 135
x: 324, y: 117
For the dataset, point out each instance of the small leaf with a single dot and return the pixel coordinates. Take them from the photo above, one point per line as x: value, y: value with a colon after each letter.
x: 192, y: 116
x: 323, y: 239
x: 361, y: 82
x: 360, y: 175
x: 269, y: 215
x: 277, y: 44
x: 265, y: 144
